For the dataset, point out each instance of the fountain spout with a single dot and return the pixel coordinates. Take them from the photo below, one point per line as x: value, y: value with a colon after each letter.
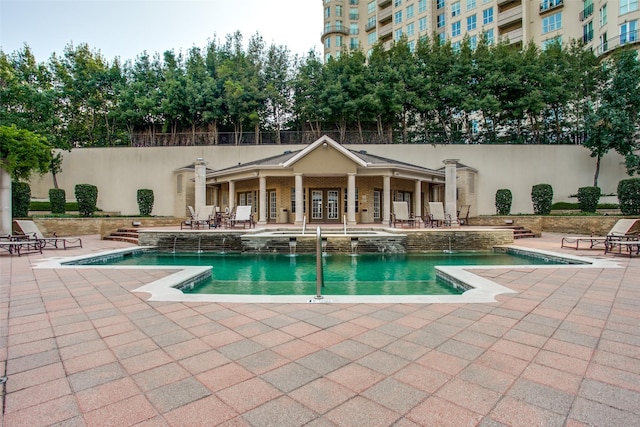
x: 292, y: 246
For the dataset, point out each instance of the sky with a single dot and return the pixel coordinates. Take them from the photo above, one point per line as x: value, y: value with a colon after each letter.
x: 126, y: 28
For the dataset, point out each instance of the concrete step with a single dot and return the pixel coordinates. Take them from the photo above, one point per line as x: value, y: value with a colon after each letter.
x: 129, y: 235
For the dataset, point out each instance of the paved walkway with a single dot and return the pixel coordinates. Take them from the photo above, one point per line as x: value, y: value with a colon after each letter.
x: 79, y: 348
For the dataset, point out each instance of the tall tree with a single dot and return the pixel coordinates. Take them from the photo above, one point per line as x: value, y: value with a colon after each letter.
x: 613, y: 124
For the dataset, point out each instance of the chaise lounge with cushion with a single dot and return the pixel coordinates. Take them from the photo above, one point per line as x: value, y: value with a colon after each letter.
x: 623, y: 230
x: 30, y: 231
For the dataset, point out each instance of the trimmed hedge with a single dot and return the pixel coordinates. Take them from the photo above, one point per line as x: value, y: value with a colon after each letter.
x: 20, y: 198
x: 542, y: 198
x: 629, y: 196
x: 588, y: 198
x: 503, y: 201
x: 58, y: 200
x: 145, y: 201
x: 87, y: 197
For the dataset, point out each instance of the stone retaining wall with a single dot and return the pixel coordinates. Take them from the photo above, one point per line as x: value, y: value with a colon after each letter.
x: 103, y: 226
x: 587, y: 225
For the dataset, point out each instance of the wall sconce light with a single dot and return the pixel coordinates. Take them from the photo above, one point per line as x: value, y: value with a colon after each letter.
x: 396, y: 173
x: 325, y: 145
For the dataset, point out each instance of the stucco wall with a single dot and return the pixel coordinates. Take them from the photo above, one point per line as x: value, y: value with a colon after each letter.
x: 120, y: 172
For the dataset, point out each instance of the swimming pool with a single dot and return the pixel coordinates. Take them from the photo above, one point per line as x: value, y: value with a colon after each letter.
x: 364, y: 274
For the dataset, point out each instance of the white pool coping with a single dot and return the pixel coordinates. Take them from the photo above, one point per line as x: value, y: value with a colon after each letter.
x: 483, y: 290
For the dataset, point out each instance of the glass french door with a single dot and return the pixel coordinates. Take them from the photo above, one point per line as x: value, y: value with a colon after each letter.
x: 325, y: 205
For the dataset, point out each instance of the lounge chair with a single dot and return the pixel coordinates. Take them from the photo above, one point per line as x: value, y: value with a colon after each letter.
x: 203, y: 217
x: 624, y: 229
x: 242, y: 215
x: 401, y: 214
x: 463, y: 214
x: 31, y: 231
x: 452, y: 213
x: 19, y: 244
x: 437, y: 215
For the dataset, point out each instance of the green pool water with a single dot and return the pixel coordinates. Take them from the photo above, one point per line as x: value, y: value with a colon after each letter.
x: 363, y: 274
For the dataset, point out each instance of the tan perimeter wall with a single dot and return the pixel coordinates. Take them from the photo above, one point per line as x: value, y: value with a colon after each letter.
x: 120, y: 172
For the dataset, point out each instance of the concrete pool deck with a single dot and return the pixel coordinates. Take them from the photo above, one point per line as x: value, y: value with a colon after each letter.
x: 78, y: 347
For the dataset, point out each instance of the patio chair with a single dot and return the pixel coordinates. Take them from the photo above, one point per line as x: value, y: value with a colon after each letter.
x: 401, y: 214
x: 30, y: 230
x: 438, y: 217
x: 452, y: 213
x: 242, y: 215
x: 463, y: 214
x: 623, y: 230
x: 203, y: 217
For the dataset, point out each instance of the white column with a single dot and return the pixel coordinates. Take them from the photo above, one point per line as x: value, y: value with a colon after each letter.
x: 386, y: 199
x: 216, y: 196
x: 262, y: 210
x: 299, y: 199
x: 5, y: 202
x: 232, y: 195
x: 351, y: 198
x: 417, y: 212
x: 450, y: 182
x: 200, y: 184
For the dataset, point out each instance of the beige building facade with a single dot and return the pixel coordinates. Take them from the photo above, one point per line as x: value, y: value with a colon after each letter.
x: 359, y: 24
x: 271, y: 177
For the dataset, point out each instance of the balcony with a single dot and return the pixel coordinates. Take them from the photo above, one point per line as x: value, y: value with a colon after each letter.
x: 587, y: 12
x: 509, y: 17
x: 505, y: 2
x: 385, y: 31
x: 548, y: 5
x: 370, y: 26
x: 609, y: 45
x: 384, y: 3
x: 385, y: 15
x: 333, y: 29
x: 587, y: 37
x: 514, y: 36
x: 354, y: 16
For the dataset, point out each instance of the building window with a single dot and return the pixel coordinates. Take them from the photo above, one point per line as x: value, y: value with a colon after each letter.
x: 410, y: 12
x: 473, y: 42
x: 397, y: 3
x: 372, y: 37
x: 353, y: 29
x: 439, y: 4
x: 627, y: 6
x: 488, y: 36
x: 410, y: 29
x: 442, y: 38
x: 338, y: 41
x: 371, y: 22
x: 471, y: 22
x: 552, y: 23
x: 327, y: 12
x: 422, y: 6
x: 345, y: 200
x: 455, y: 29
x: 397, y: 17
x: 327, y: 57
x: 293, y: 201
x: 354, y: 44
x: 629, y: 32
x: 397, y: 34
x: 353, y: 2
x: 604, y: 43
x: 327, y: 43
x: 273, y: 206
x: 371, y: 7
x: 471, y: 4
x: 338, y: 10
x: 455, y: 9
x: 587, y: 32
x: 422, y: 25
x: 412, y: 46
x: 487, y: 16
x: 440, y: 22
x: 551, y: 41
x: 353, y: 14
x: 339, y: 25
x: 603, y: 15
x: 456, y: 46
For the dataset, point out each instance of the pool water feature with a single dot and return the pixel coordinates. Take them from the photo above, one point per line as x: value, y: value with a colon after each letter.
x: 348, y: 274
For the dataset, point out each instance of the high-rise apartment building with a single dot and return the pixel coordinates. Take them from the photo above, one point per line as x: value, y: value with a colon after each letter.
x: 359, y: 24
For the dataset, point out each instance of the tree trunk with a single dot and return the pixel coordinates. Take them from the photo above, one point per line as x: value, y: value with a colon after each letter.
x: 595, y: 176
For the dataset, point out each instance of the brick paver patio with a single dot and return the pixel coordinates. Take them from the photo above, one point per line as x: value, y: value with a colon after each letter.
x: 79, y: 348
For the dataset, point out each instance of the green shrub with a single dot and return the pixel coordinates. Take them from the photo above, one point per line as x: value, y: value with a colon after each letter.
x: 145, y: 201
x: 20, y: 198
x: 629, y: 196
x: 542, y: 198
x: 87, y: 197
x: 57, y: 200
x: 503, y: 201
x: 46, y: 206
x: 588, y: 198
